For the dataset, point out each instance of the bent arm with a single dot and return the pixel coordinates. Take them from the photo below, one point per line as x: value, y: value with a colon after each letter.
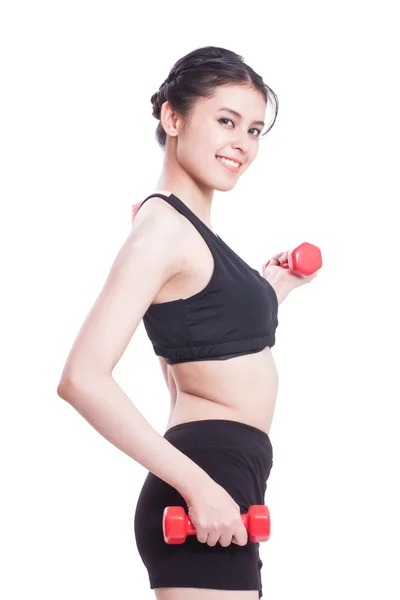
x: 147, y: 260
x: 102, y: 402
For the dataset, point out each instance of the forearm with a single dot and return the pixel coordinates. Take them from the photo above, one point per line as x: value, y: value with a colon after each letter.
x: 108, y: 409
x: 280, y: 289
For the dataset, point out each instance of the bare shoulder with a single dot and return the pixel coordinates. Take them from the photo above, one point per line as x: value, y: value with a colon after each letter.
x: 156, y: 212
x: 159, y: 229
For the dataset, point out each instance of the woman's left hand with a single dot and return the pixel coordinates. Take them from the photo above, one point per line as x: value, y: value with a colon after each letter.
x: 282, y: 279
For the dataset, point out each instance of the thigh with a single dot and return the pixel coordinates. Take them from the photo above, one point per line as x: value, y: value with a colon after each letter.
x: 204, y: 594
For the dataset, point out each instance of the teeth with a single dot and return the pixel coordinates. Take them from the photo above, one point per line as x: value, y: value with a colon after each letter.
x: 228, y: 161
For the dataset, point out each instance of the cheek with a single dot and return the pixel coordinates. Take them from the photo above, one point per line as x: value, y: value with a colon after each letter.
x: 192, y: 158
x: 253, y: 152
x: 195, y: 149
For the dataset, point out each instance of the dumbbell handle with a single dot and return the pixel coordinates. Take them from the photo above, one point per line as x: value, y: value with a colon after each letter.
x: 191, y: 530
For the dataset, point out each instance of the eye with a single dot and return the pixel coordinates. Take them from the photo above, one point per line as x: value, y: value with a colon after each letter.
x: 225, y: 119
x: 257, y: 130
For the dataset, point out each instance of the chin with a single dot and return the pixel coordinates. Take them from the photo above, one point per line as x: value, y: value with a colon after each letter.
x: 224, y: 186
x: 221, y: 184
x: 217, y: 184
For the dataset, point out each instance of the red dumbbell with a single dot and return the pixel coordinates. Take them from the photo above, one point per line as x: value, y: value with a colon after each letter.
x: 177, y: 525
x: 303, y: 260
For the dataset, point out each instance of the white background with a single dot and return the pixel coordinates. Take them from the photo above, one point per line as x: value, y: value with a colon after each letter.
x: 77, y: 150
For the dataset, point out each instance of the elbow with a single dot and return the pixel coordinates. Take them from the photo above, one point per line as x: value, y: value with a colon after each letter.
x: 64, y: 389
x: 71, y: 388
x: 68, y: 387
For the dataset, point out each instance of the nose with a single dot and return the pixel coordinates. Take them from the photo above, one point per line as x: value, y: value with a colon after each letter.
x: 241, y: 141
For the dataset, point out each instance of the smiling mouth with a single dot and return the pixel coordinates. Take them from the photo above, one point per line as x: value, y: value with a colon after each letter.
x: 231, y: 164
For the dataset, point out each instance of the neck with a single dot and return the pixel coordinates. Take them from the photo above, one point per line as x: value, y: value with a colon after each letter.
x: 179, y: 182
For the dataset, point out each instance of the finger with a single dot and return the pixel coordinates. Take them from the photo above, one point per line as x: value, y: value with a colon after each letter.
x: 225, y: 539
x: 281, y: 258
x: 278, y: 256
x: 240, y: 540
x: 273, y: 261
x: 212, y: 539
x: 201, y: 536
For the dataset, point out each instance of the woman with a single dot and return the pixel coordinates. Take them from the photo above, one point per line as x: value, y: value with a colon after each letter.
x: 212, y: 321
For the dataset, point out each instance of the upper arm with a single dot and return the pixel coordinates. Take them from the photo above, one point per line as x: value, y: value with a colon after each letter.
x: 148, y: 258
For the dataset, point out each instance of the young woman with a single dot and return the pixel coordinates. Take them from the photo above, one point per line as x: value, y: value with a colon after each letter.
x: 211, y: 319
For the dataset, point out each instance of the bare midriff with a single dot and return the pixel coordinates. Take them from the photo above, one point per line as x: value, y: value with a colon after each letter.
x: 243, y: 388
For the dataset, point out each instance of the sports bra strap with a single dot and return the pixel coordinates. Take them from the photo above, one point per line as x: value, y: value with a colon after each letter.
x: 181, y: 207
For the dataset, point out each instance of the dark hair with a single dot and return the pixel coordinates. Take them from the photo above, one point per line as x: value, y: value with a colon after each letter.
x: 198, y: 74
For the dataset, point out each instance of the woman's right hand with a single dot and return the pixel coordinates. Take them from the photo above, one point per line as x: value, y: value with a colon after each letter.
x: 216, y: 517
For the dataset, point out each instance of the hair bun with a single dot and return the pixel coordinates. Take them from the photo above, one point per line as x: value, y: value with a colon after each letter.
x: 156, y: 105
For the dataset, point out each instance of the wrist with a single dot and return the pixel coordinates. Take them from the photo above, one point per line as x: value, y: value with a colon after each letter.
x: 193, y: 487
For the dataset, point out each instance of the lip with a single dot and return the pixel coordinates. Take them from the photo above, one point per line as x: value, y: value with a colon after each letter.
x: 230, y: 167
x: 238, y: 160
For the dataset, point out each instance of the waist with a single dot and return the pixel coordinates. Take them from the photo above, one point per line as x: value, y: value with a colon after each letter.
x: 228, y: 382
x: 242, y: 389
x: 256, y: 414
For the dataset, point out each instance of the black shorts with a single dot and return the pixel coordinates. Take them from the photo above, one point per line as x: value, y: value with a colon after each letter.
x: 238, y: 457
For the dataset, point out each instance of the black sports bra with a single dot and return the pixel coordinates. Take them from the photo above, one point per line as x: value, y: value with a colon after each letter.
x: 235, y: 314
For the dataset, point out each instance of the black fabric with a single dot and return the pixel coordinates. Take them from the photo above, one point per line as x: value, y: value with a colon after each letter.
x: 235, y: 314
x: 238, y: 457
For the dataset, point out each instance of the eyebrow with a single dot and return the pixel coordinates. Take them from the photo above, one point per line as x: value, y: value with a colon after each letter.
x: 234, y: 112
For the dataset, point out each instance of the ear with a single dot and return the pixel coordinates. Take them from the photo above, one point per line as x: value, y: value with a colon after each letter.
x: 171, y: 122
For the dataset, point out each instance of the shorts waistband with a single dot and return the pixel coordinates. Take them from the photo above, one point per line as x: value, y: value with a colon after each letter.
x: 220, y: 432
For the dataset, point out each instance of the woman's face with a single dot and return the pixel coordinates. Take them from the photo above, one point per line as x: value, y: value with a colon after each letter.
x: 227, y: 125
